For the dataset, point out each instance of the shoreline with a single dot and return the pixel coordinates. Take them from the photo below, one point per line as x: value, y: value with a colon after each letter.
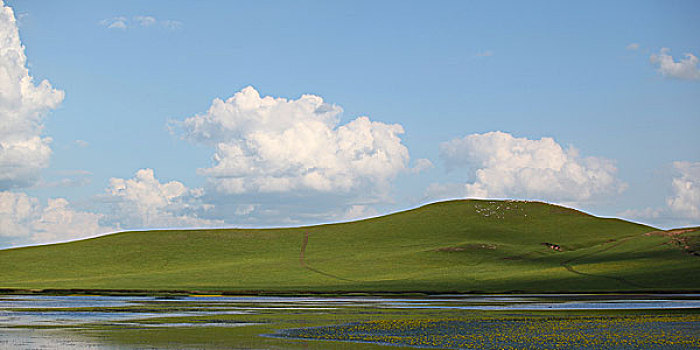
x: 272, y: 293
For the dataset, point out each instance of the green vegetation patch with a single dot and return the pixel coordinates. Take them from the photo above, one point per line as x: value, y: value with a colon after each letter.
x: 466, y: 246
x: 582, y: 332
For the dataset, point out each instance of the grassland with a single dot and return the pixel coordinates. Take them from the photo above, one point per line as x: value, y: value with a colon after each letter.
x: 457, y: 246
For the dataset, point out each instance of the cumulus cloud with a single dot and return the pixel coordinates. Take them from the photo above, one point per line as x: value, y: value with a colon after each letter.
x: 632, y: 47
x: 358, y: 212
x: 503, y: 166
x: 144, y: 202
x: 421, y: 164
x: 646, y: 213
x: 685, y: 200
x: 141, y: 202
x: 682, y: 205
x: 686, y: 68
x: 122, y: 22
x: 24, y: 220
x: 23, y: 104
x: 273, y: 145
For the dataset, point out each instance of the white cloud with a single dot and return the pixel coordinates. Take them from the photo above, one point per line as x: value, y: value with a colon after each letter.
x: 685, y: 201
x: 245, y: 209
x: 15, y: 210
x: 23, y: 151
x: 504, y: 166
x: 421, y: 165
x: 686, y: 68
x: 145, y: 21
x: 117, y: 25
x: 23, y: 220
x: 358, y: 212
x: 273, y: 145
x: 122, y: 22
x: 632, y: 47
x: 646, y: 213
x: 682, y: 206
x: 114, y: 23
x: 58, y: 223
x: 81, y: 143
x: 144, y: 202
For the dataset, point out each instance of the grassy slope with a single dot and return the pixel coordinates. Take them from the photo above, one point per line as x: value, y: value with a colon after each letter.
x: 490, y: 249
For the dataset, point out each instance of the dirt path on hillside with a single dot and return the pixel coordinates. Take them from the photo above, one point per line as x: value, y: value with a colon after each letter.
x: 302, y: 261
x: 567, y: 264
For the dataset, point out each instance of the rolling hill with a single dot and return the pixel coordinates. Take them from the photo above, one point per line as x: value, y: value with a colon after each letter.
x: 455, y: 246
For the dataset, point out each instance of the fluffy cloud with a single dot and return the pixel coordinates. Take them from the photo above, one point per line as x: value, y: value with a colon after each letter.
x: 23, y: 220
x: 632, y: 47
x: 682, y: 206
x: 421, y: 164
x: 273, y: 145
x: 138, y: 203
x: 685, y: 201
x: 144, y: 202
x: 358, y: 212
x: 504, y: 166
x: 23, y: 151
x: 686, y: 68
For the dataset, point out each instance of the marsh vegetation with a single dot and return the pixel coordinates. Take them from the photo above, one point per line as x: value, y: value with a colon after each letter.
x: 351, y: 322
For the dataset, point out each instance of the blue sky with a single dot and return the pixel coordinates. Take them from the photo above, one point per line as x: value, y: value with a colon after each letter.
x: 594, y: 105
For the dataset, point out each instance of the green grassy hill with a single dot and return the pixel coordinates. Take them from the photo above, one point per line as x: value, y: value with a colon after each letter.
x: 456, y: 246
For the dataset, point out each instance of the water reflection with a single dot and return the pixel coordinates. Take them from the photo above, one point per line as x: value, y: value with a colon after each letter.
x: 53, y: 301
x: 55, y: 315
x: 72, y: 310
x: 42, y: 339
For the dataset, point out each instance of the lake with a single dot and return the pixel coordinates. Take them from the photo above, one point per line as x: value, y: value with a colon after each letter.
x: 658, y: 321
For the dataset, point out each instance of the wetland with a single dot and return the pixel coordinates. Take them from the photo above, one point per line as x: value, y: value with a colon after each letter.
x: 567, y: 321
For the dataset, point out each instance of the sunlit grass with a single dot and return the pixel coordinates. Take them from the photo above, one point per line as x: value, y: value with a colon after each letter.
x: 458, y: 246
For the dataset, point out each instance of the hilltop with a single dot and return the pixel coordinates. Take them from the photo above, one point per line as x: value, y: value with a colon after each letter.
x: 448, y: 247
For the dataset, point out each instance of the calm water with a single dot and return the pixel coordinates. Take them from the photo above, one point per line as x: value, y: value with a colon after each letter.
x: 45, y: 322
